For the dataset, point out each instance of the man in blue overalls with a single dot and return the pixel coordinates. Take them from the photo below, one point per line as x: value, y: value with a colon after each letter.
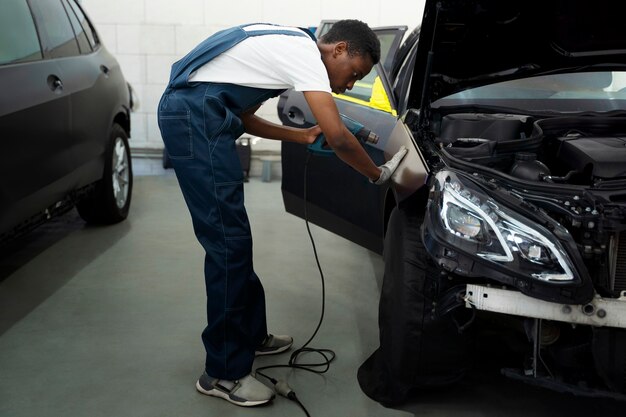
x: 210, y: 101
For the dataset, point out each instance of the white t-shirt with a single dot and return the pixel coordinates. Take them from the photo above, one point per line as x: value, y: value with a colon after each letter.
x: 270, y: 62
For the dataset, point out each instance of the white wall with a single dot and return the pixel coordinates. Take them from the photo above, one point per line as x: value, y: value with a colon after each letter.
x: 147, y: 36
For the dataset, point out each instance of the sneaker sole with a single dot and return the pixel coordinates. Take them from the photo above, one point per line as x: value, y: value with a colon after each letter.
x: 217, y: 393
x: 273, y: 352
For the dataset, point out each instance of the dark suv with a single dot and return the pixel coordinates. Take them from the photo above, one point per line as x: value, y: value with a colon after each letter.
x: 507, y: 218
x: 64, y: 118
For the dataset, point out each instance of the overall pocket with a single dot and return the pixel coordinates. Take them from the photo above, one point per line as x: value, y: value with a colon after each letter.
x: 176, y: 133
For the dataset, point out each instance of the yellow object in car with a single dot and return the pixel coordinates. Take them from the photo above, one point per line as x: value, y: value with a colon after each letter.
x: 378, y: 99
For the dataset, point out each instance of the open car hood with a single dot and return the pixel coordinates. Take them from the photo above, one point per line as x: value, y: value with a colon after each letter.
x: 469, y: 43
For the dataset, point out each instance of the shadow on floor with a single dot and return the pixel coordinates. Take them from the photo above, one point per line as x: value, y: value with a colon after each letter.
x: 487, y: 393
x: 53, y: 257
x: 19, y: 251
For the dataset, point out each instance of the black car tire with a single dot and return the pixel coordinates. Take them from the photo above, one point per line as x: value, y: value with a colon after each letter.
x: 108, y: 202
x: 417, y: 348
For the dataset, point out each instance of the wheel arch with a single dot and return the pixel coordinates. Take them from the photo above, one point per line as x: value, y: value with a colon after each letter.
x: 421, y: 197
x: 123, y: 119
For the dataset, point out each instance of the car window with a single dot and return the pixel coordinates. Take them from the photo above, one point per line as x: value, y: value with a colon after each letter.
x: 369, y: 92
x: 324, y: 27
x: 18, y: 36
x: 387, y: 40
x: 402, y: 83
x: 89, y: 31
x: 53, y: 19
x: 79, y: 31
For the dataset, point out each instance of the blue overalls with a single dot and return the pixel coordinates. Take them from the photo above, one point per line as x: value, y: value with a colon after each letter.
x: 199, y: 124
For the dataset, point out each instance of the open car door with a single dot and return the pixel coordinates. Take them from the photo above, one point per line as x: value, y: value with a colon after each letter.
x: 339, y: 198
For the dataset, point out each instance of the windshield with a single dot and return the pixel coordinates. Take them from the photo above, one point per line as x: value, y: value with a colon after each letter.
x: 588, y: 91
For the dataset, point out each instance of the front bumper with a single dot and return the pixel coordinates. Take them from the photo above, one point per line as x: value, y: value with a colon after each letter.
x: 601, y: 312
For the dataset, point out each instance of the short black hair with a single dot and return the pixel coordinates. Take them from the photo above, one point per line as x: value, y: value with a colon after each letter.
x: 360, y: 38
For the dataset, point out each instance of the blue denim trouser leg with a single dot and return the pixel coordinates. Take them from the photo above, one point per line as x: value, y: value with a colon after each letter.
x: 199, y: 134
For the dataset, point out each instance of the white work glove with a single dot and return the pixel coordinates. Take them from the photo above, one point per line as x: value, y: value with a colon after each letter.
x: 387, y: 169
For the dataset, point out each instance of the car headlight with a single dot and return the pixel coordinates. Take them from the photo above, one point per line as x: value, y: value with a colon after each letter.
x: 481, y: 226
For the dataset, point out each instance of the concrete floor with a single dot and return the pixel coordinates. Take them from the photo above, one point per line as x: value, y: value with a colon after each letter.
x: 106, y: 321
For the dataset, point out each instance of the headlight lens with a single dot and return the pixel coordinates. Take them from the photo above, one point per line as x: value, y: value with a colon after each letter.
x: 497, y: 234
x: 463, y: 222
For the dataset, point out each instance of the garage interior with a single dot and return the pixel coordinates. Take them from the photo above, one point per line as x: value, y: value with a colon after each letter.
x: 104, y: 321
x: 107, y: 320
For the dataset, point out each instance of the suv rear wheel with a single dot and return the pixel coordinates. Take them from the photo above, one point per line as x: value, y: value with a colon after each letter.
x: 109, y: 201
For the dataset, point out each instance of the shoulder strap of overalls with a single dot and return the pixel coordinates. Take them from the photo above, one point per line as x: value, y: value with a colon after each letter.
x: 217, y: 44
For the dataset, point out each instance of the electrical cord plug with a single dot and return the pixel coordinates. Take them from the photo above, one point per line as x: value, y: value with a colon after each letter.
x: 285, y: 390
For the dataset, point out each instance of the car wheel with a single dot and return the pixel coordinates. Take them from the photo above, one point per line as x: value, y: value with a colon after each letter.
x: 109, y: 201
x: 417, y: 348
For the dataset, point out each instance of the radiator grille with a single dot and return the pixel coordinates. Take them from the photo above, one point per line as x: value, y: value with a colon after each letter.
x: 619, y: 265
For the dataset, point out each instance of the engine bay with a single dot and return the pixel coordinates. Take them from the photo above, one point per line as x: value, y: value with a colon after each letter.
x: 584, y: 151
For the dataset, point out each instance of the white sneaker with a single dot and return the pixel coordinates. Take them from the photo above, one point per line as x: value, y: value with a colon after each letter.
x: 274, y: 344
x: 246, y: 392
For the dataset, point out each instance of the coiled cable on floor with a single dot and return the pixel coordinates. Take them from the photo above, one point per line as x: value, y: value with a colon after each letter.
x: 327, y: 354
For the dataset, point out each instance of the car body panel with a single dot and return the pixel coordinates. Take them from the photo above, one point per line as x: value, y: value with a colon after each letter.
x: 412, y: 172
x: 33, y: 126
x: 99, y: 76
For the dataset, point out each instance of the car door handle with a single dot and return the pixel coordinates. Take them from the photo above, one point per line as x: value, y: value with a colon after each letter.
x: 55, y: 83
x: 105, y: 70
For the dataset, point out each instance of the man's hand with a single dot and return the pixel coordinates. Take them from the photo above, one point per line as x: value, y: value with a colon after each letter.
x: 387, y: 169
x: 311, y: 134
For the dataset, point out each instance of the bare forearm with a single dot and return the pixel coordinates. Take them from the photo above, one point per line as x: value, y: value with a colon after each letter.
x: 257, y: 126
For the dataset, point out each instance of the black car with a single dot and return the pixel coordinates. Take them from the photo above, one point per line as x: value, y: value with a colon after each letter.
x: 64, y: 118
x: 508, y: 212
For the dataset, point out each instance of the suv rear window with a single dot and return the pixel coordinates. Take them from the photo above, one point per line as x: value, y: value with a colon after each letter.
x: 89, y: 31
x: 18, y: 36
x: 83, y: 43
x: 55, y: 23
